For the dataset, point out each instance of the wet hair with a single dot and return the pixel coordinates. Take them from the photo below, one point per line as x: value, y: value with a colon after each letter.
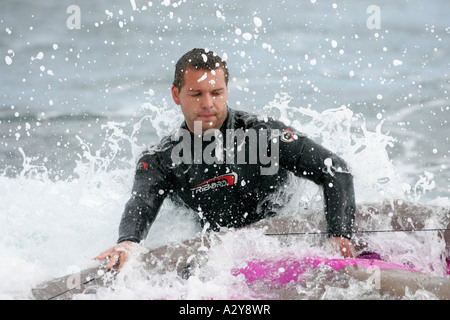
x: 198, y: 59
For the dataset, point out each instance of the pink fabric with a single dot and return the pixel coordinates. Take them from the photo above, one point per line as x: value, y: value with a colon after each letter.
x: 448, y: 266
x: 286, y: 270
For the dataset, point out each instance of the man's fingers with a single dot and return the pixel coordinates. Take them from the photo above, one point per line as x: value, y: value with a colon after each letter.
x: 103, y: 255
x: 344, y: 246
x: 122, y: 261
x: 119, y: 254
x: 114, y: 257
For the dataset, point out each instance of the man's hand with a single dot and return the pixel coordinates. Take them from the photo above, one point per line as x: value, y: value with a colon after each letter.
x: 344, y: 246
x: 120, y: 253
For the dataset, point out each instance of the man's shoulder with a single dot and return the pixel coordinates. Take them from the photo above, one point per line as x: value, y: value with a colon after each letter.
x: 158, y: 149
x: 242, y: 115
x: 244, y: 119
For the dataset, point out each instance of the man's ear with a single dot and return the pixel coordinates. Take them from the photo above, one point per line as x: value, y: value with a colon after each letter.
x: 176, y: 95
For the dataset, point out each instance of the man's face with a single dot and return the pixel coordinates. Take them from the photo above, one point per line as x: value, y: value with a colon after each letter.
x: 203, y: 97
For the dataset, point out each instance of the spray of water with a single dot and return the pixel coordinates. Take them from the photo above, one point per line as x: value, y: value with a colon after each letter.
x: 53, y: 227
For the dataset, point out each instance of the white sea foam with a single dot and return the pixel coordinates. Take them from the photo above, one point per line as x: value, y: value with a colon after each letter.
x: 51, y: 227
x: 70, y: 141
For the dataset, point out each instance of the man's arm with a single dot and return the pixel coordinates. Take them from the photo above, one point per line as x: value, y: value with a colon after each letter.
x: 309, y: 160
x: 138, y: 216
x: 149, y: 191
x: 325, y: 168
x: 150, y: 188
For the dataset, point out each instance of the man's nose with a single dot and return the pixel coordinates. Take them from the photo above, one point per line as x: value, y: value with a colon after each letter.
x: 207, y: 101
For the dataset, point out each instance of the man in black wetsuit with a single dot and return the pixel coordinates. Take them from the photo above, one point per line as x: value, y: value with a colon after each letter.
x: 228, y: 165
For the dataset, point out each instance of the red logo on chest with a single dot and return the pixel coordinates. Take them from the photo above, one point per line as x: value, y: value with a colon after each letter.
x: 216, y: 183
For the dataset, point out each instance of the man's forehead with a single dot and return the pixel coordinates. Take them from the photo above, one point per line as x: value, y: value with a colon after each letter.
x: 197, y: 78
x: 214, y: 72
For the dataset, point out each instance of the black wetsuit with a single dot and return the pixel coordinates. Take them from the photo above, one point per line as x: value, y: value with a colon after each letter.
x: 230, y: 193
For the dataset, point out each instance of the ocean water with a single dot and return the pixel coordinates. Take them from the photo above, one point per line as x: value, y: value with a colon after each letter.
x: 77, y: 106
